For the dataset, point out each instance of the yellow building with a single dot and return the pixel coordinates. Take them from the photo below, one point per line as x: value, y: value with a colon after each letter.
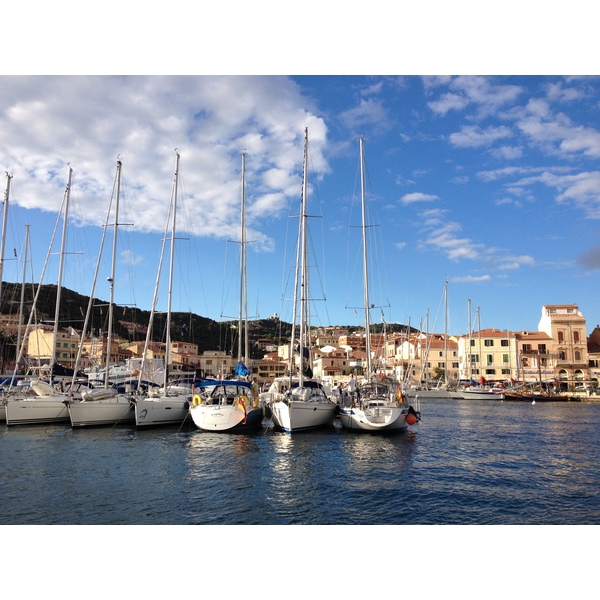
x: 41, y: 349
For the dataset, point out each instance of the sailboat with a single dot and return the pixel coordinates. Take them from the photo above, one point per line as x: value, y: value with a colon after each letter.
x: 298, y: 402
x: 170, y: 405
x: 47, y: 405
x: 229, y: 405
x: 104, y: 405
x: 377, y: 405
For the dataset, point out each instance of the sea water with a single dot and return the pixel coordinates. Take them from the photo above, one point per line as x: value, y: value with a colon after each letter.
x: 467, y: 462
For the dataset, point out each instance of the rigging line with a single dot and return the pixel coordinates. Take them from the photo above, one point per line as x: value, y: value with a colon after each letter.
x: 322, y: 277
x: 353, y: 201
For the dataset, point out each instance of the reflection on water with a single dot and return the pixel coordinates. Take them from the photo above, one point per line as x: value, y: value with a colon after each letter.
x: 466, y: 462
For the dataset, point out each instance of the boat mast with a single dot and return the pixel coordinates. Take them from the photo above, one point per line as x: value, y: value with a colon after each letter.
x: 111, y: 279
x: 95, y: 280
x: 479, y: 343
x: 304, y: 328
x: 4, y: 221
x: 172, y: 263
x: 365, y: 270
x: 469, y: 340
x: 60, y: 269
x: 243, y: 316
x: 22, y: 303
x: 446, y: 333
x: 155, y: 299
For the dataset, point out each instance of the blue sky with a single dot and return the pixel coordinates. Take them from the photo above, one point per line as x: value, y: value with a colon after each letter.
x: 489, y: 182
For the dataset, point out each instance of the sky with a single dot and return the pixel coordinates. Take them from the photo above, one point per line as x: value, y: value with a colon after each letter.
x: 487, y: 182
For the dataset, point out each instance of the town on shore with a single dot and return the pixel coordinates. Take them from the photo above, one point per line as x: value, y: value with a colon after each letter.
x: 560, y: 352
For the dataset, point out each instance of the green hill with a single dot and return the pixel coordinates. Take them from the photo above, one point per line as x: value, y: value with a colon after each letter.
x: 131, y: 323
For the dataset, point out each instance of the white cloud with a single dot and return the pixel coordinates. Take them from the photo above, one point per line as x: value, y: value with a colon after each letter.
x: 470, y: 279
x: 481, y: 92
x: 557, y: 134
x: 89, y: 121
x: 507, y: 152
x: 368, y: 112
x: 475, y: 137
x: 418, y: 197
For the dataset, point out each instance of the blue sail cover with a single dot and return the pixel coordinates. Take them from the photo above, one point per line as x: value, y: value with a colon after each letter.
x: 241, y: 370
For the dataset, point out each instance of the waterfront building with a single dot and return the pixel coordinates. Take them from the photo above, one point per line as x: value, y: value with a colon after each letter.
x: 41, y: 349
x: 332, y: 364
x: 269, y: 367
x: 488, y: 355
x: 567, y: 327
x: 433, y: 357
x: 536, y: 357
x: 593, y: 347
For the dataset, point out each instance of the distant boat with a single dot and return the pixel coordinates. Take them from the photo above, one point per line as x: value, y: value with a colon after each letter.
x: 303, y: 405
x: 482, y: 393
x: 229, y: 405
x: 513, y: 396
x: 378, y: 405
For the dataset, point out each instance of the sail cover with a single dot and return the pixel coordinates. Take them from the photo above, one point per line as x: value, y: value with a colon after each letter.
x: 241, y: 370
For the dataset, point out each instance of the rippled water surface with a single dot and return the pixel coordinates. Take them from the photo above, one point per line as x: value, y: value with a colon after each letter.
x: 468, y: 462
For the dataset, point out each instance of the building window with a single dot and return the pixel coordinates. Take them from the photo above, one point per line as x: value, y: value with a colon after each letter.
x: 576, y: 336
x: 561, y: 336
x: 489, y: 359
x: 505, y: 358
x: 562, y: 355
x: 504, y: 342
x: 488, y: 343
x: 542, y: 348
x: 577, y: 355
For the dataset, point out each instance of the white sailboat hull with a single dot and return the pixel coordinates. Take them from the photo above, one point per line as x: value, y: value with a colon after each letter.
x: 380, y: 418
x: 228, y: 417
x: 153, y: 412
x: 298, y: 415
x: 481, y: 395
x: 37, y: 410
x: 114, y: 411
x: 432, y: 394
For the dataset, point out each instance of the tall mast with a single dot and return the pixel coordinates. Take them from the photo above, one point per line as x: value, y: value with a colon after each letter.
x: 172, y: 263
x: 479, y: 342
x: 446, y: 333
x: 111, y: 279
x: 365, y: 270
x: 469, y: 340
x: 22, y: 302
x: 243, y: 316
x: 4, y: 221
x: 303, y: 266
x: 61, y: 265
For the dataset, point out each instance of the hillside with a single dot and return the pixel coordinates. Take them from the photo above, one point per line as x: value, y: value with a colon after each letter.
x: 131, y: 323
